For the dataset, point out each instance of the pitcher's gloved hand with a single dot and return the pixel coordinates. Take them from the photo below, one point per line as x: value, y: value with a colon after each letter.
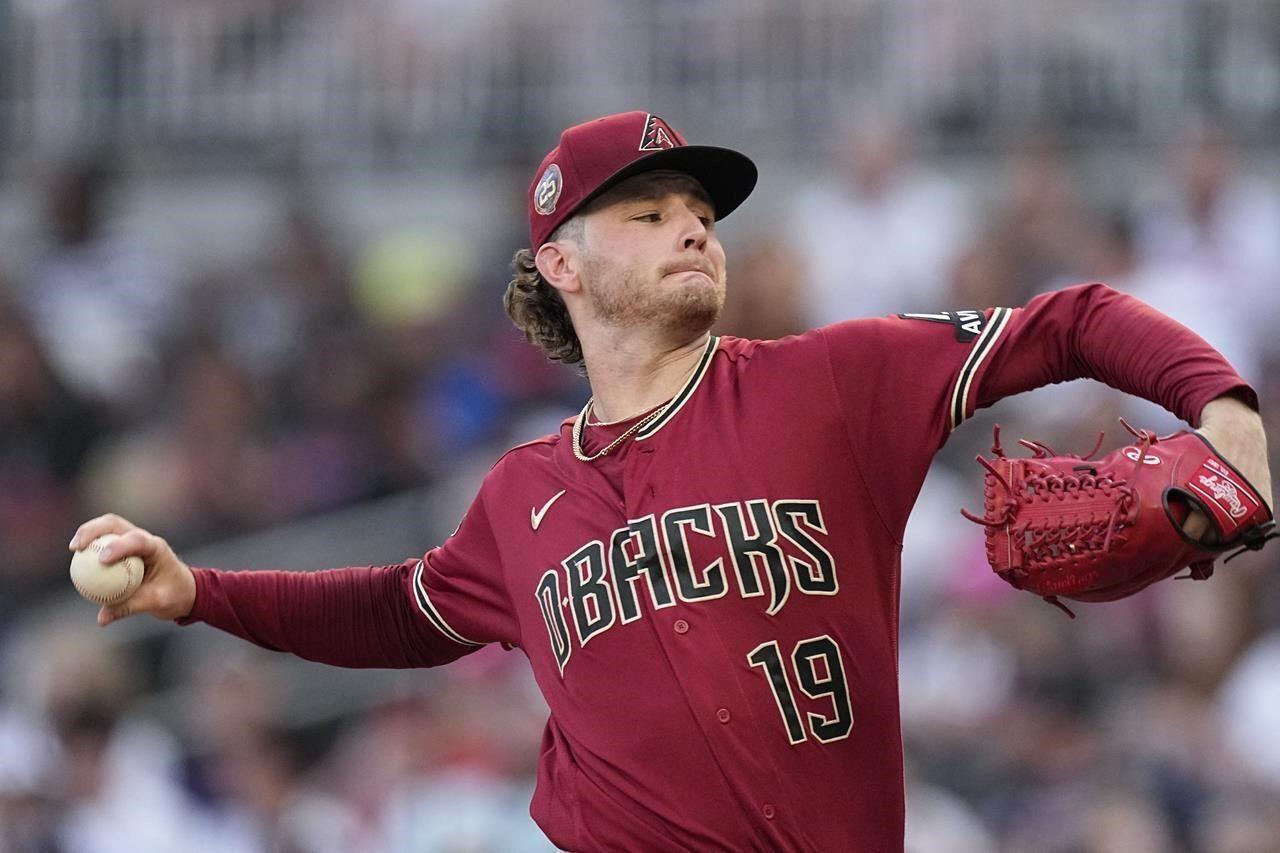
x: 1063, y: 526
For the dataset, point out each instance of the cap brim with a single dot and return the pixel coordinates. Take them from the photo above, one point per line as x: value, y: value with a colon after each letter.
x: 727, y: 175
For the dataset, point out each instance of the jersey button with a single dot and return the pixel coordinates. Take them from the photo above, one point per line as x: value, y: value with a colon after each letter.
x: 723, y: 715
x: 681, y: 626
x: 768, y: 811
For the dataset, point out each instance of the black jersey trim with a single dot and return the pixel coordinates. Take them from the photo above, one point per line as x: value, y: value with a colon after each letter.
x: 981, y: 349
x: 429, y: 610
x: 685, y: 393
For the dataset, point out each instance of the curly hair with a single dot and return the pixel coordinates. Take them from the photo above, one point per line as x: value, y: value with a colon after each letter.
x: 537, y: 309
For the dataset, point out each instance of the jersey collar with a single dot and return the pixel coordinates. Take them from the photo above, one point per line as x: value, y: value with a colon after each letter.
x: 685, y: 393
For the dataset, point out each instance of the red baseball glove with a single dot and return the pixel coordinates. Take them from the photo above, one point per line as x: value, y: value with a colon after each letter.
x: 1065, y: 526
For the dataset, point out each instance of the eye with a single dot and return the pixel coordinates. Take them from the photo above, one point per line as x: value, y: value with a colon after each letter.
x: 648, y: 216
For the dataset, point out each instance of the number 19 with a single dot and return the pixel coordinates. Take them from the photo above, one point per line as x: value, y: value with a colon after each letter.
x: 819, y: 672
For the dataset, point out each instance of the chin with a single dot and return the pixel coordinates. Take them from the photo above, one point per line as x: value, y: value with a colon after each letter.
x: 682, y: 312
x: 695, y: 311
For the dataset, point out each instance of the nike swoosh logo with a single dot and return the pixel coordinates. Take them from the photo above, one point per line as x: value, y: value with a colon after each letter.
x: 535, y: 515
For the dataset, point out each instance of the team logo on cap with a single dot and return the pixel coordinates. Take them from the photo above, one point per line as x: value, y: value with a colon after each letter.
x: 548, y: 190
x: 657, y: 135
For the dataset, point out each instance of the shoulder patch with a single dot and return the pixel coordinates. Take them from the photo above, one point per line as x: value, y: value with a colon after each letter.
x: 968, y: 322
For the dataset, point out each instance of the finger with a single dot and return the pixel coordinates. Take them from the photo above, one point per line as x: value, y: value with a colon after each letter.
x: 109, y: 613
x: 135, y: 543
x: 1196, y: 525
x: 100, y: 526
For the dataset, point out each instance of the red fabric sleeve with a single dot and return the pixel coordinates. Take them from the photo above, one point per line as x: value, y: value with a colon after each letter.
x: 905, y: 383
x: 419, y: 613
x: 353, y: 617
x: 1092, y: 331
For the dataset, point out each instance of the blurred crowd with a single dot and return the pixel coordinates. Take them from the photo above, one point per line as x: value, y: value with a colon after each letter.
x: 313, y: 375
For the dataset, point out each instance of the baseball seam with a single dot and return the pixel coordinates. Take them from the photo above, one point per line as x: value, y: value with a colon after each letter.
x: 131, y: 565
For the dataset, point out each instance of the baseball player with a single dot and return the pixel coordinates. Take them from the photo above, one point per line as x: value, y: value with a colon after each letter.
x: 702, y: 566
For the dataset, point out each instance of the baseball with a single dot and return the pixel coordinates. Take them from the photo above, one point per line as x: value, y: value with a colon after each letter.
x: 104, y: 584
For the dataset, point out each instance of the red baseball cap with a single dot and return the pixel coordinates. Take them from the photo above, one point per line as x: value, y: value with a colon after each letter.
x: 596, y: 155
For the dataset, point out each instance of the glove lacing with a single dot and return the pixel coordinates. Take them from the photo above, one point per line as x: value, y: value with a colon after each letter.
x: 1048, y: 544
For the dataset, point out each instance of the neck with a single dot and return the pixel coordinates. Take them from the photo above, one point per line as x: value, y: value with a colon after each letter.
x: 630, y: 374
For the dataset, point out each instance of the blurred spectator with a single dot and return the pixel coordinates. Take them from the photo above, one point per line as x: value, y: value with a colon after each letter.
x: 28, y: 805
x: 1211, y: 230
x: 294, y: 285
x: 46, y: 430
x: 961, y: 675
x: 416, y: 289
x: 766, y: 290
x: 462, y: 810
x: 325, y: 435
x: 939, y: 820
x: 251, y: 774
x: 1041, y: 236
x: 1127, y: 820
x: 102, y: 305
x: 1239, y: 821
x: 452, y: 769
x: 416, y: 48
x: 1249, y: 711
x: 882, y: 235
x: 1204, y: 627
x: 199, y: 469
x: 114, y: 776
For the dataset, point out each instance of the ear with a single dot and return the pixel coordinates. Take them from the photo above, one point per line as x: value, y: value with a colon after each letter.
x: 558, y: 263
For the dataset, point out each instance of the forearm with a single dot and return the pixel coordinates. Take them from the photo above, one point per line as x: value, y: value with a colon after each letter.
x: 1095, y: 332
x: 1237, y: 433
x: 353, y: 617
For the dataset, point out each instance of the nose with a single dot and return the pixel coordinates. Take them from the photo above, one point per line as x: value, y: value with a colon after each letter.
x: 693, y: 233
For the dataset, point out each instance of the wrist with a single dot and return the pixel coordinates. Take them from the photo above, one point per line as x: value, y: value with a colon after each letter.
x: 189, y: 596
x: 1237, y: 433
x: 1229, y: 409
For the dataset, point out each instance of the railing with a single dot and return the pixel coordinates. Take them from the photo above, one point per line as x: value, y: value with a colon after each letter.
x: 440, y: 81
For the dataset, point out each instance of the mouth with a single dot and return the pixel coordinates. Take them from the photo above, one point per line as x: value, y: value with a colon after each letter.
x: 691, y: 269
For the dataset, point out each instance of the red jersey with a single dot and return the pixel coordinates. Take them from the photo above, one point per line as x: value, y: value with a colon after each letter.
x: 711, y: 610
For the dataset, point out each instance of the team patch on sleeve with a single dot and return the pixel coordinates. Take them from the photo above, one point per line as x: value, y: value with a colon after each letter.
x: 988, y: 333
x: 969, y: 323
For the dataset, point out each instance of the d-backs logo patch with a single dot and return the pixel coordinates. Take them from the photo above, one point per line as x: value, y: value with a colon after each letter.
x: 969, y: 323
x: 548, y: 190
x: 658, y: 135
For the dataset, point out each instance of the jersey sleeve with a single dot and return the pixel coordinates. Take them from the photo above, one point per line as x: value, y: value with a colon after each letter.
x: 459, y: 588
x: 1091, y: 331
x: 354, y: 617
x: 904, y: 383
x: 423, y: 612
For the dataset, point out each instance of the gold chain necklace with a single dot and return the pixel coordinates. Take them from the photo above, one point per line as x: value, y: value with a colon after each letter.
x: 631, y: 430
x: 638, y: 425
